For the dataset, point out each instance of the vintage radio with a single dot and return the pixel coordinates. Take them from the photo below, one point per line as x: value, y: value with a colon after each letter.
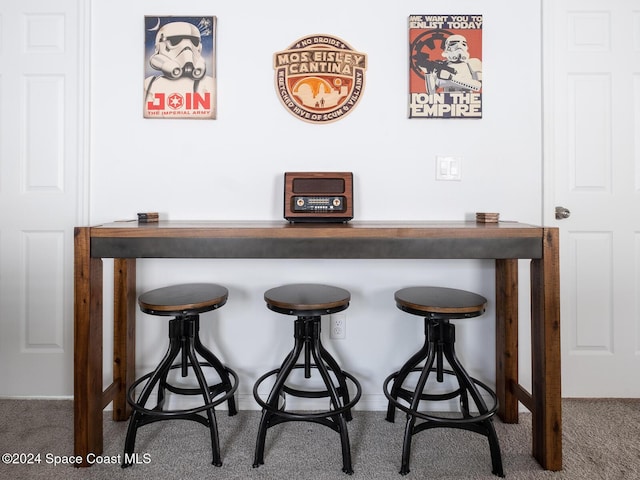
x: 318, y: 196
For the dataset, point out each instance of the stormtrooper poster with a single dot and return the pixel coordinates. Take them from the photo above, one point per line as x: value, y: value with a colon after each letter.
x: 445, y: 74
x: 179, y: 67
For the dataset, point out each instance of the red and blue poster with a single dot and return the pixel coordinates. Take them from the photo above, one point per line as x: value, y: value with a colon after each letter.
x: 180, y: 76
x: 445, y: 75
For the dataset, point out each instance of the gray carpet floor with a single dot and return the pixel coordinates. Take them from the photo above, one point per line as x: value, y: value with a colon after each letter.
x: 601, y: 440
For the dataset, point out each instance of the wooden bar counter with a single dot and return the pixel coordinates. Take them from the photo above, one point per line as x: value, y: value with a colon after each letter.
x: 504, y: 242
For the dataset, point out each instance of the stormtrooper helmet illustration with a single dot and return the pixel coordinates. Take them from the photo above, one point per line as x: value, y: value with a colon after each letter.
x: 178, y: 51
x: 455, y: 49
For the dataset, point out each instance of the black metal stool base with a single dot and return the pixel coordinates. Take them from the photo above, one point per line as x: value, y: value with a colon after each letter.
x: 307, y: 343
x: 183, y: 340
x: 439, y: 344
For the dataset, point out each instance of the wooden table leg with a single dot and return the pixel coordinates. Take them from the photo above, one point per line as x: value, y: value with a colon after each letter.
x: 545, y: 352
x: 87, y: 369
x: 124, y: 334
x: 507, y: 339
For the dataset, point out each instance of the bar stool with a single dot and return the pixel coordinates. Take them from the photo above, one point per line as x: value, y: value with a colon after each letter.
x: 308, y: 302
x: 438, y: 306
x: 184, y: 303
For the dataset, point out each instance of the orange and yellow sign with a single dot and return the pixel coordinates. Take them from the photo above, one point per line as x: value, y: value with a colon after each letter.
x: 320, y: 78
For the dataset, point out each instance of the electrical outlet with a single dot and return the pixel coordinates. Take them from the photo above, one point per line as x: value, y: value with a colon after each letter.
x: 338, y: 326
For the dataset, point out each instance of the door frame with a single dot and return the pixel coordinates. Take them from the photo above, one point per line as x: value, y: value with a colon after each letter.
x: 548, y: 117
x: 84, y: 114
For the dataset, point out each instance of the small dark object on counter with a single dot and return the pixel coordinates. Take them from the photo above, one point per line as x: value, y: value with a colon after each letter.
x: 148, y: 217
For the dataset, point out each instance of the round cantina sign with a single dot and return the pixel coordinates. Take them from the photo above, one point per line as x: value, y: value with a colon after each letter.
x: 320, y: 78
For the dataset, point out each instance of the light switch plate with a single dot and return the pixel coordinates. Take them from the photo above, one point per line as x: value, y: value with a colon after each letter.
x: 448, y: 168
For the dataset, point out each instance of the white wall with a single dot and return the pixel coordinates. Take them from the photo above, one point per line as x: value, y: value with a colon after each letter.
x: 232, y: 167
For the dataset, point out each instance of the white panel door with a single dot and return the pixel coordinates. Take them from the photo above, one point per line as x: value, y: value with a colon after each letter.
x: 41, y: 147
x: 592, y: 148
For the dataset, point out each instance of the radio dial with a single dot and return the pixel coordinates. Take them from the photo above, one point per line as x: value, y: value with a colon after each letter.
x: 318, y: 204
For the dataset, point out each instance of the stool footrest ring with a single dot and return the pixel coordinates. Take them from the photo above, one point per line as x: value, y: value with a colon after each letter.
x: 435, y: 418
x: 306, y: 394
x: 154, y: 412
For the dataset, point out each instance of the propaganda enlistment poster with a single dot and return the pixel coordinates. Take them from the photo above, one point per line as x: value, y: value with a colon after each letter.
x: 179, y: 71
x: 445, y: 74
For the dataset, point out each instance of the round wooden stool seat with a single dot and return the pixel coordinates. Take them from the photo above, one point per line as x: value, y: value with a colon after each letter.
x: 439, y: 301
x: 188, y: 298
x: 307, y: 299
